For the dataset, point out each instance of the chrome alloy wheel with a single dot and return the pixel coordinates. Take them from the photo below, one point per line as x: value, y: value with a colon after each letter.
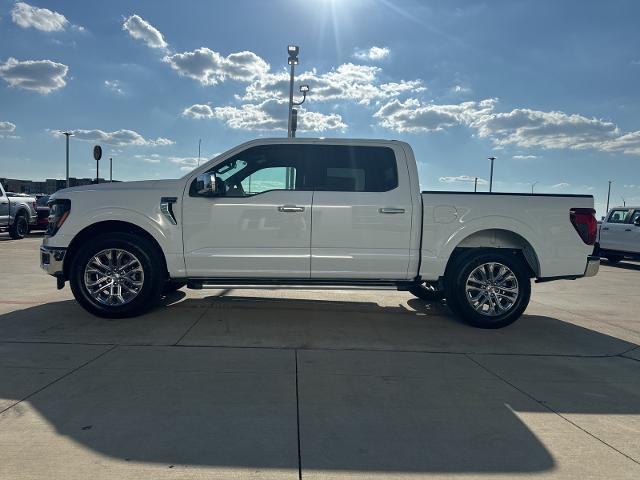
x: 113, y: 277
x: 492, y: 289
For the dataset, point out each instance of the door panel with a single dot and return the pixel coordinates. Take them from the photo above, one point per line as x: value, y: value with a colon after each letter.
x: 351, y: 238
x: 363, y: 234
x: 612, y: 232
x: 259, y: 224
x: 633, y: 234
x: 248, y: 236
x: 4, y: 210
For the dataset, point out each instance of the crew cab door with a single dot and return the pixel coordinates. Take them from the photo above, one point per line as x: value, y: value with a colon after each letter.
x: 259, y: 225
x: 612, y: 231
x: 361, y: 214
x: 633, y: 231
x: 4, y: 208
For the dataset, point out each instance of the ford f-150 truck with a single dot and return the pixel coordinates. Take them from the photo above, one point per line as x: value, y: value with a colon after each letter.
x: 314, y: 212
x: 17, y: 213
x: 619, y: 234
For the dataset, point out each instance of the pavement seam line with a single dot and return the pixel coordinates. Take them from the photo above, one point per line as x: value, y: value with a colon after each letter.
x: 298, y: 418
x: 544, y: 405
x: 70, y: 372
x: 192, y: 325
x: 328, y: 349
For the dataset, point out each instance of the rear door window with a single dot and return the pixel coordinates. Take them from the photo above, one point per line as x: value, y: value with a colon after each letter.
x: 618, y: 216
x: 345, y: 168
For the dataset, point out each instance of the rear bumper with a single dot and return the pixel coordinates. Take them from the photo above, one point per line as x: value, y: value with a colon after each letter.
x: 51, y: 260
x: 593, y: 265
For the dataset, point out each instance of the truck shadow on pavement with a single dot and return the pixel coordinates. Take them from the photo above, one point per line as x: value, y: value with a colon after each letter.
x: 320, y: 385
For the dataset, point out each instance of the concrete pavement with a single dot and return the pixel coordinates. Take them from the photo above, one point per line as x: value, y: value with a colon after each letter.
x: 339, y: 384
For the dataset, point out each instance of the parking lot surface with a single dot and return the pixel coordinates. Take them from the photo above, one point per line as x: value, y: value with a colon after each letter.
x: 317, y: 384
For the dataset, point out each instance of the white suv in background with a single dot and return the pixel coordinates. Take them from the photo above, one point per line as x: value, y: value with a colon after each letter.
x: 619, y: 235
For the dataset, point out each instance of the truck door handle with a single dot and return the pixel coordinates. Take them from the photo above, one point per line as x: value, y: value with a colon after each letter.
x: 627, y: 229
x: 606, y: 228
x: 290, y: 208
x: 391, y: 210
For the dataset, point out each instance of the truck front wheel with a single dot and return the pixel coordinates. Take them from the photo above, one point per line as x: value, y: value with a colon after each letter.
x: 20, y: 227
x: 488, y: 290
x: 117, y: 275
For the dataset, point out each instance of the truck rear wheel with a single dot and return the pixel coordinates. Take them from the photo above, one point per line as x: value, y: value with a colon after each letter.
x: 118, y: 275
x: 20, y: 227
x: 489, y: 289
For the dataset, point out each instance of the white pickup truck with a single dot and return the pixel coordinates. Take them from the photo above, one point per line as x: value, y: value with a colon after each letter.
x: 320, y: 213
x: 619, y: 234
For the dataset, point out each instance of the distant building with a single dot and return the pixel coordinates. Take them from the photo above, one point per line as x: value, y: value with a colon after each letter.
x: 49, y: 186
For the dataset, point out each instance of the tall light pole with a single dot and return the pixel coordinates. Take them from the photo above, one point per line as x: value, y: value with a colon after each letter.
x: 110, y: 169
x: 533, y: 185
x: 475, y: 185
x: 491, y: 175
x: 624, y: 202
x: 67, y: 134
x: 293, y: 51
x: 199, y: 143
x: 608, y: 196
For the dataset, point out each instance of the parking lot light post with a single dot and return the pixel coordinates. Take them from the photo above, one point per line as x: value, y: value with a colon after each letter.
x: 67, y: 134
x: 608, y: 196
x: 491, y: 175
x: 293, y: 51
x: 533, y: 185
x: 110, y: 169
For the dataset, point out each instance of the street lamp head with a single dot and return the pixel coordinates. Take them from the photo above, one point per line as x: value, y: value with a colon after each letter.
x: 68, y: 134
x: 304, y: 88
x: 293, y: 61
x: 491, y: 158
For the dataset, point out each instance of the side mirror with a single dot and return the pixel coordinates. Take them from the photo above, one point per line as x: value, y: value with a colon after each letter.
x: 206, y: 184
x: 637, y: 222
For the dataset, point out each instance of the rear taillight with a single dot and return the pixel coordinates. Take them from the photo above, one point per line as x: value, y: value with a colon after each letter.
x: 585, y: 223
x: 35, y: 207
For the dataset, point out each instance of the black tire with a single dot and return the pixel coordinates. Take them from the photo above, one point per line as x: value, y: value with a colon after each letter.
x: 613, y: 259
x: 456, y: 288
x: 149, y: 259
x: 427, y: 292
x: 20, y: 227
x: 171, y: 286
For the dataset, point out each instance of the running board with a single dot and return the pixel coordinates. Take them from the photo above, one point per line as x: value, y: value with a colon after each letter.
x: 269, y: 284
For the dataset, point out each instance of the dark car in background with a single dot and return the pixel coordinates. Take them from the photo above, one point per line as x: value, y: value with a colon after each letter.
x: 42, y: 209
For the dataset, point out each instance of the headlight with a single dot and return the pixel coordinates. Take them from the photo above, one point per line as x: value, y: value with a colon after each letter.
x: 58, y: 213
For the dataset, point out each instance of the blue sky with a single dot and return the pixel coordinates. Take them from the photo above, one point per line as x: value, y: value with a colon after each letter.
x: 550, y: 88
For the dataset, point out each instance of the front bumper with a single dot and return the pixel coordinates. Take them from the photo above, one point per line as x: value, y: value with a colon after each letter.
x: 593, y: 265
x: 51, y: 260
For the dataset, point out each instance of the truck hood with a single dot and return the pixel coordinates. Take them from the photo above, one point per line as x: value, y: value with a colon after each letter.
x: 121, y: 187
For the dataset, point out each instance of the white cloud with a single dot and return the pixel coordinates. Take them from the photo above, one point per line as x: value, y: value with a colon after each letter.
x: 463, y: 178
x: 140, y: 29
x: 460, y: 90
x: 209, y: 67
x: 415, y: 116
x: 26, y: 16
x: 373, y: 54
x: 7, y: 127
x: 114, y: 86
x: 350, y: 82
x: 533, y: 128
x: 43, y: 76
x: 521, y: 127
x: 153, y: 158
x: 272, y: 115
x: 186, y: 163
x: 561, y: 185
x: 117, y: 138
x: 198, y: 111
